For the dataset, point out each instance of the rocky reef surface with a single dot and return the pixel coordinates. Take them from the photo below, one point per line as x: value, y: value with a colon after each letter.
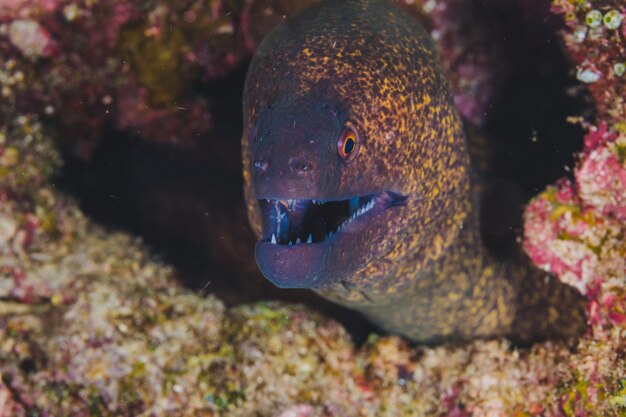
x: 92, y: 323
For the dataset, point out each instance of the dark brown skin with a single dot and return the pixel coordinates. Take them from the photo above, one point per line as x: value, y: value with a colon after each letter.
x: 415, y: 263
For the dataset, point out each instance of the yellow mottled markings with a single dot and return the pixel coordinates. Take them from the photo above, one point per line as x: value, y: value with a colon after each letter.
x: 307, y: 52
x: 553, y: 314
x: 438, y: 244
x: 453, y: 297
x: 505, y: 313
x: 490, y: 321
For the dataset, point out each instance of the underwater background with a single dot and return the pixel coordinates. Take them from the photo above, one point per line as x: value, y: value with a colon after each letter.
x: 127, y: 277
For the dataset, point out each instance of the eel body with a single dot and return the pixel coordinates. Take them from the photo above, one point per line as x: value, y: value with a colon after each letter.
x: 359, y: 184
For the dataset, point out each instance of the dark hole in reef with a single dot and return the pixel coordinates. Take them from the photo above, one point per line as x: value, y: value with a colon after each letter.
x: 531, y: 143
x: 28, y: 365
x: 188, y: 204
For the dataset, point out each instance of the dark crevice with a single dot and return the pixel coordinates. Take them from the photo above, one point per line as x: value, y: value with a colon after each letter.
x: 531, y: 143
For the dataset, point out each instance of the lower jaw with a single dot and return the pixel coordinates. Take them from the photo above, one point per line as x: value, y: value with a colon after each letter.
x: 297, y: 266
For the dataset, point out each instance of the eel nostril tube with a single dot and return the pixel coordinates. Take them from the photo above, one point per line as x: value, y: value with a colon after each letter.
x: 301, y: 166
x: 261, y: 165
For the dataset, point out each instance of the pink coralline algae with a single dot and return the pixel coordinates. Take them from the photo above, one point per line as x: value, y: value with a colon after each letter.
x: 469, y: 56
x: 601, y: 178
x: 577, y: 230
x: 303, y: 410
x: 184, y: 123
x: 30, y: 38
x: 126, y: 64
x: 472, y: 40
x: 27, y: 8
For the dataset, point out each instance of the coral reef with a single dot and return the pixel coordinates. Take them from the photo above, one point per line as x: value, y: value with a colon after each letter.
x: 133, y: 65
x: 576, y: 229
x: 472, y: 60
x: 92, y: 324
x: 477, y: 46
x: 594, y: 40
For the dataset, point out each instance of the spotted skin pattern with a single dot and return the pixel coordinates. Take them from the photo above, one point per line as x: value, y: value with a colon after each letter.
x: 425, y: 272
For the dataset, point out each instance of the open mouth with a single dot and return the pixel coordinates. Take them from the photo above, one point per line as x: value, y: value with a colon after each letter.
x: 302, y: 222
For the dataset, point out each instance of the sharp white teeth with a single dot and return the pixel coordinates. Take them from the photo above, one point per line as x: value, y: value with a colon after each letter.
x: 292, y: 204
x: 353, y: 204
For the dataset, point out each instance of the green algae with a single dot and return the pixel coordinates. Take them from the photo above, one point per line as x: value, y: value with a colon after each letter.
x: 620, y: 150
x: 618, y: 399
x: 157, y: 62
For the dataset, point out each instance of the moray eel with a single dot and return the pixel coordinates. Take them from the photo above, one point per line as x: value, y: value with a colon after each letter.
x: 359, y: 185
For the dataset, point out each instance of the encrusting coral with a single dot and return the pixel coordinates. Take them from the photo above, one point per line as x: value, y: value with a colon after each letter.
x: 92, y: 324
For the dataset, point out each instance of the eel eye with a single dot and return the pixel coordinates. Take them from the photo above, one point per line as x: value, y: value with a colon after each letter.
x: 348, y: 143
